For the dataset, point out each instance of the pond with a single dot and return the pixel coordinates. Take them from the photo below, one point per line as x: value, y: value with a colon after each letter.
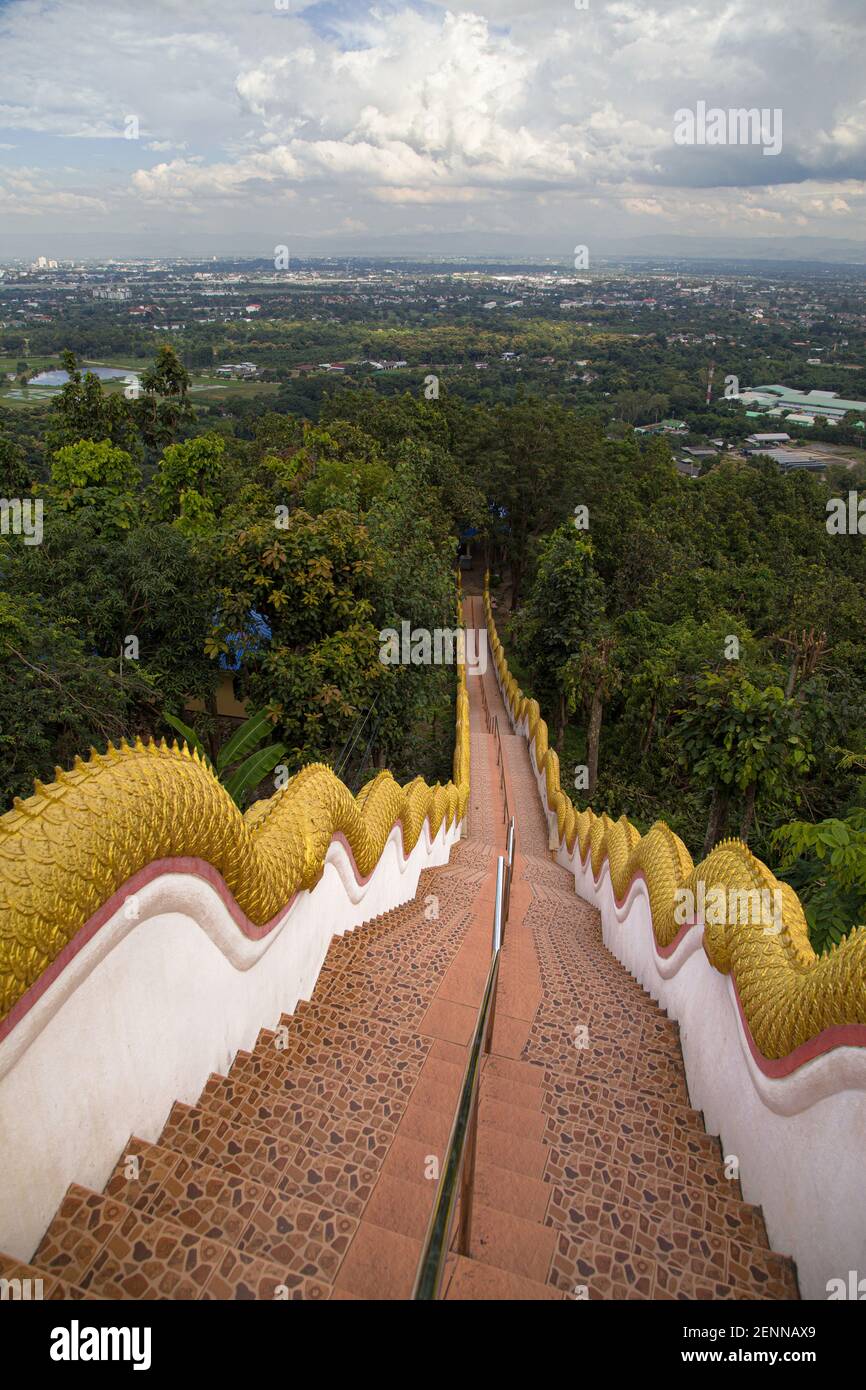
x: 60, y: 378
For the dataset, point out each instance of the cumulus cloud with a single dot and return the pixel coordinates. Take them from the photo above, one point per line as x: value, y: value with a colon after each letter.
x: 530, y: 114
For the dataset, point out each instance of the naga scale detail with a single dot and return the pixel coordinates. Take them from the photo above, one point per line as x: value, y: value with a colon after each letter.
x: 68, y: 848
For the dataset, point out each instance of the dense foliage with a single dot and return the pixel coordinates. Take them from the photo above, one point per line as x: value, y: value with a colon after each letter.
x: 697, y: 644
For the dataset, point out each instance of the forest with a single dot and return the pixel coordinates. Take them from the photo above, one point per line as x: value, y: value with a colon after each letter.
x: 696, y: 644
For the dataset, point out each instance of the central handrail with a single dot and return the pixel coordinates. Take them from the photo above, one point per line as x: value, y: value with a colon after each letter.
x: 500, y: 758
x: 458, y: 1172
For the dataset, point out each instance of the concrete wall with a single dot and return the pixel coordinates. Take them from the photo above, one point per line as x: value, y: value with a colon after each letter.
x: 149, y: 1006
x: 800, y: 1139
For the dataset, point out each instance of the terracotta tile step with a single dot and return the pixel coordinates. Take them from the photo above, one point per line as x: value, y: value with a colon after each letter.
x: 379, y: 1264
x: 690, y: 1203
x: 357, y: 1091
x: 607, y: 1026
x: 28, y: 1283
x: 420, y: 967
x: 501, y: 1115
x: 308, y: 1237
x: 338, y: 1021
x: 302, y: 1111
x: 513, y: 1093
x: 580, y: 1067
x: 274, y: 1161
x: 112, y: 1251
x: 579, y: 1125
x: 517, y: 1070
x: 408, y: 923
x: 403, y: 1006
x: 467, y: 1280
x: 377, y: 1068
x: 318, y: 1178
x: 582, y: 1270
x: 642, y: 1158
x: 397, y: 1066
x: 576, y: 1090
x: 389, y: 967
x: 447, y: 1073
x: 511, y: 1243
x: 742, y: 1260
x: 384, y: 954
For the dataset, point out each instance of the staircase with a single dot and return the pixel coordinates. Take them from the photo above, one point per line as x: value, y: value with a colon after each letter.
x: 310, y: 1170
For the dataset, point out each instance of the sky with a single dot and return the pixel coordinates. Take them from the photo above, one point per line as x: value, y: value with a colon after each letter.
x: 194, y: 127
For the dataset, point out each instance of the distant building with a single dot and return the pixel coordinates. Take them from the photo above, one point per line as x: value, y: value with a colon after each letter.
x: 663, y: 427
x: 754, y: 440
x: 791, y: 459
x: 783, y: 399
x: 238, y: 369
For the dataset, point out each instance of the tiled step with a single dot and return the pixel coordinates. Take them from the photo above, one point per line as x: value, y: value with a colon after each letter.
x: 111, y: 1250
x: 572, y: 1125
x: 467, y: 1279
x: 602, y: 1273
x: 377, y: 1080
x: 337, y: 1025
x: 692, y: 1159
x: 156, y: 1170
x: 718, y: 1207
x: 275, y: 1112
x: 571, y: 1092
x: 511, y: 1243
x: 380, y: 1264
x: 315, y: 1042
x: 321, y: 1073
x: 274, y: 1161
x: 650, y: 1075
x: 596, y: 1222
x: 27, y: 1283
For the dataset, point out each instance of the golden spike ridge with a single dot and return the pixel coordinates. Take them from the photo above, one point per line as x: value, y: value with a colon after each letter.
x: 147, y: 802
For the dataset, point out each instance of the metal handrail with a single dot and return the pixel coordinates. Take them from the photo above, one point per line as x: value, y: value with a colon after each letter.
x: 458, y: 1172
x: 487, y: 715
x: 500, y: 758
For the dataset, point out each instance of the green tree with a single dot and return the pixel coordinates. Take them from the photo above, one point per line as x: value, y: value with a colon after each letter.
x: 563, y: 614
x: 186, y: 482
x: 735, y: 737
x: 163, y: 407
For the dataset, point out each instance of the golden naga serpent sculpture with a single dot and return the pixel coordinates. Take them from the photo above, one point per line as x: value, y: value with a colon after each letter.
x: 65, y: 850
x: 788, y: 993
